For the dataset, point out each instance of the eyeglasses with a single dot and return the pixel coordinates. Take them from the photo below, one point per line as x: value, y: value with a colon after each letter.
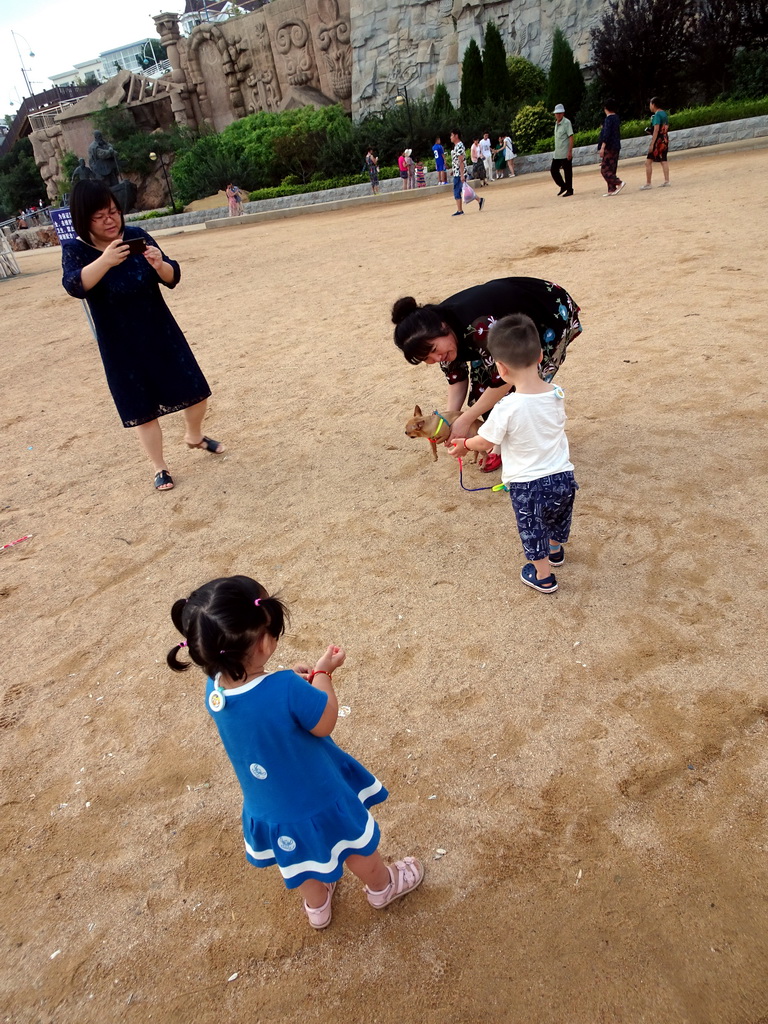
x: 105, y: 215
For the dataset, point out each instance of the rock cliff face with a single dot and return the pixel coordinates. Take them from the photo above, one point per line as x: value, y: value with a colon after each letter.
x: 418, y: 43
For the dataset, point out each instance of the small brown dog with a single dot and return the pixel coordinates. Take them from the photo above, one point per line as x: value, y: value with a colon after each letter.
x: 436, y: 427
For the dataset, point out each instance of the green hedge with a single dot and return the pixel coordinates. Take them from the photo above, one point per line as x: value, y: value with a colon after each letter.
x: 693, y: 117
x: 319, y: 186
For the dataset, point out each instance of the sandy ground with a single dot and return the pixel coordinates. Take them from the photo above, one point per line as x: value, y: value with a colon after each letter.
x: 594, y: 763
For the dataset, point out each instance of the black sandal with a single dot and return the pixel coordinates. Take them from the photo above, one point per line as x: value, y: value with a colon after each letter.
x: 208, y: 445
x: 162, y: 479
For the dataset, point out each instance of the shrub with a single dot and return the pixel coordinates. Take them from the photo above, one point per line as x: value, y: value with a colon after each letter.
x: 527, y: 81
x: 693, y: 117
x: 315, y: 186
x: 565, y: 83
x: 531, y: 125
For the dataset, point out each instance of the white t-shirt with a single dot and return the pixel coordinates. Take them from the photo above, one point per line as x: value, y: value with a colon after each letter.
x: 485, y: 148
x: 531, y: 432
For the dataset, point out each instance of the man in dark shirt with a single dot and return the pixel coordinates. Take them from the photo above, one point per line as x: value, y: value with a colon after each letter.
x: 609, y: 146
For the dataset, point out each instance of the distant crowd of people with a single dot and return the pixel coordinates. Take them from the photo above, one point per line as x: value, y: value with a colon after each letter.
x: 491, y: 161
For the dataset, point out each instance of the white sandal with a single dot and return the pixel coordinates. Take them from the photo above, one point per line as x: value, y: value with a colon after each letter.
x: 405, y: 875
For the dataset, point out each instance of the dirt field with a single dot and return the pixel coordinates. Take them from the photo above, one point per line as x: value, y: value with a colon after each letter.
x: 594, y: 762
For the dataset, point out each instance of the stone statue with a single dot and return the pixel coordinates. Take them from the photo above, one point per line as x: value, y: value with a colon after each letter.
x: 102, y: 159
x: 82, y: 172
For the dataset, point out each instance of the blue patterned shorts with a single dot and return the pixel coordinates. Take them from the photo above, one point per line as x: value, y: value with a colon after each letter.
x: 543, y: 509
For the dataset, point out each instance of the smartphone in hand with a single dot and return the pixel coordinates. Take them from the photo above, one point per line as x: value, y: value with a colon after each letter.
x: 136, y: 246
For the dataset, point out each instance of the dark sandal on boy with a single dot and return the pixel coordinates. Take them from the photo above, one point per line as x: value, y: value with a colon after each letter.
x: 162, y: 480
x: 208, y: 445
x: 546, y: 586
x: 557, y: 555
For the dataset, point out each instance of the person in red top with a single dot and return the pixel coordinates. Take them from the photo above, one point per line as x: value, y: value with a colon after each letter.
x: 402, y: 164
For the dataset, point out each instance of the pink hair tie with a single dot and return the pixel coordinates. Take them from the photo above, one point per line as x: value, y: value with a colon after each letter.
x: 257, y: 602
x: 182, y: 643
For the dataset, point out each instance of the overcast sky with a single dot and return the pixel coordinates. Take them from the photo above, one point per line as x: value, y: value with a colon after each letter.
x: 63, y: 34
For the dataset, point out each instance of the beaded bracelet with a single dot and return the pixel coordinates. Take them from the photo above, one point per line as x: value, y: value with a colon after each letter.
x: 319, y: 672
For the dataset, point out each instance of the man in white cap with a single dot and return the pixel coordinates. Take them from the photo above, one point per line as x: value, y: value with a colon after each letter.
x: 563, y: 154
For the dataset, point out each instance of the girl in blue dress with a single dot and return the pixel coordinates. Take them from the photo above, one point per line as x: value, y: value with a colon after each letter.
x: 305, y: 801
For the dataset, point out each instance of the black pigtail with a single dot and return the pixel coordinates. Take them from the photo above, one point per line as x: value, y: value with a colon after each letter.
x: 172, y: 659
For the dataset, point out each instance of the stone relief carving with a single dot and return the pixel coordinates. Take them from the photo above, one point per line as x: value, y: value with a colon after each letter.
x: 223, y: 61
x: 334, y: 42
x: 263, y: 82
x: 295, y: 47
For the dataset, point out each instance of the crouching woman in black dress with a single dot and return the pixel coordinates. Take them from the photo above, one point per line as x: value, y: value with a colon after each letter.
x: 149, y: 365
x: 453, y: 333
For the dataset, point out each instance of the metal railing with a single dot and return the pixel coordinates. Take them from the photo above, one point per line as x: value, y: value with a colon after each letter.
x: 46, y: 118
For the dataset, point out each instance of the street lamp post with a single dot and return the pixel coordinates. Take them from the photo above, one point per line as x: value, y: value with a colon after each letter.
x: 21, y: 59
x: 153, y: 157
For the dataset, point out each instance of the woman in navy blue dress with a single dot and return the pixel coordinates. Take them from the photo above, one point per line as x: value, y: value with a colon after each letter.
x: 150, y: 368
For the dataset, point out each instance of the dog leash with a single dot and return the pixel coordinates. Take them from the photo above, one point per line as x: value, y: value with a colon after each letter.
x: 495, y: 487
x: 433, y: 441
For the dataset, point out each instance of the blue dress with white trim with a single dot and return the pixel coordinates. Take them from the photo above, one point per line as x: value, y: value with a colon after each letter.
x: 305, y: 800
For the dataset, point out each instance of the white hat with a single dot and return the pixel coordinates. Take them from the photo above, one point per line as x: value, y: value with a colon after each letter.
x: 559, y: 109
x: 408, y: 152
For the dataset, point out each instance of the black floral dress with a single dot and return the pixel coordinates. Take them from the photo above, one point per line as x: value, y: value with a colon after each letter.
x: 471, y: 313
x: 150, y: 368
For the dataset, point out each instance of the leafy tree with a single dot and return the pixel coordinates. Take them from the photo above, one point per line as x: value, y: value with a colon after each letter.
x: 565, y: 83
x: 441, y: 103
x: 642, y: 48
x: 527, y: 81
x: 150, y: 55
x: 495, y: 73
x: 722, y: 29
x: 471, y: 77
x: 750, y: 74
x: 20, y: 182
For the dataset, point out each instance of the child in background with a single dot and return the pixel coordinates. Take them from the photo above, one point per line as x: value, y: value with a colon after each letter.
x: 529, y: 424
x: 421, y: 178
x: 305, y: 801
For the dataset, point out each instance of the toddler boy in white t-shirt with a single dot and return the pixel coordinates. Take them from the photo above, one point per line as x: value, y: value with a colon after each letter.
x: 529, y: 424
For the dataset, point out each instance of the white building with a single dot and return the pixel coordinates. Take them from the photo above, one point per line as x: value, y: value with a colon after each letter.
x: 86, y: 71
x: 141, y: 57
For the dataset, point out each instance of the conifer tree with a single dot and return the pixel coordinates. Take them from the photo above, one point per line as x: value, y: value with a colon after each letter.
x: 442, y: 108
x: 495, y: 72
x: 566, y: 82
x: 471, y: 77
